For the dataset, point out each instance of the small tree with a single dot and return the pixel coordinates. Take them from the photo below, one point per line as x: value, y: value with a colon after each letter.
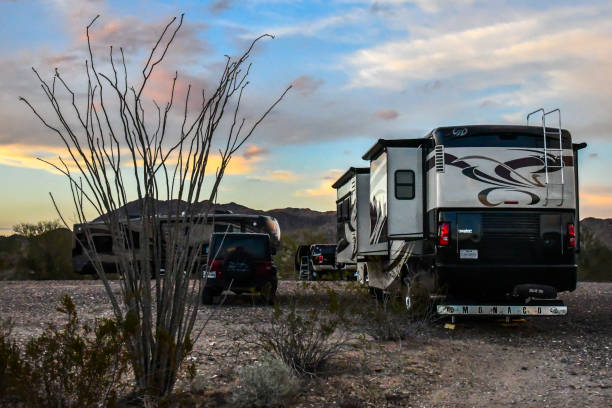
x: 115, y: 140
x: 34, y: 230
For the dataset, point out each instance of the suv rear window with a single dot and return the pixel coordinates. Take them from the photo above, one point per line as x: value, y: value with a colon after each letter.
x: 257, y: 247
x: 324, y: 249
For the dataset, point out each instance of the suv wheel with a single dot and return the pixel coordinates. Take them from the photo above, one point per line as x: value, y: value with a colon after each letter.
x: 268, y: 292
x: 207, y: 296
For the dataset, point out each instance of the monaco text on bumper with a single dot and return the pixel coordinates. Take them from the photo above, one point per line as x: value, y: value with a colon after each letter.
x: 501, y: 310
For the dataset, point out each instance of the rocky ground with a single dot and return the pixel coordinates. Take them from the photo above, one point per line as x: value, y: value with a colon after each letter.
x: 547, y: 361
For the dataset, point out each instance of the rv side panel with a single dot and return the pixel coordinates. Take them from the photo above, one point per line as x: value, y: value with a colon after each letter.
x: 346, y: 229
x: 405, y: 193
x: 378, y: 205
x: 363, y: 213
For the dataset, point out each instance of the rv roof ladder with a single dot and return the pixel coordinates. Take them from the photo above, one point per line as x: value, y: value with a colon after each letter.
x: 557, y: 161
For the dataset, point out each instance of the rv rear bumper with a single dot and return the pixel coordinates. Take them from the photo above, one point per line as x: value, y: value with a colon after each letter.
x: 501, y: 279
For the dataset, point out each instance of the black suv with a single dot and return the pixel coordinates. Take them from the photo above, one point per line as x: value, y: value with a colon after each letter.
x: 240, y: 262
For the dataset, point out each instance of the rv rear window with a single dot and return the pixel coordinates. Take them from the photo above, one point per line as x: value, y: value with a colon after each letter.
x: 404, y: 184
x: 346, y: 209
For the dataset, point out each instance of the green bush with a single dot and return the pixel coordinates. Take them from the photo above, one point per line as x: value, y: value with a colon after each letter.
x: 594, y: 259
x: 268, y: 384
x: 49, y: 255
x: 77, y: 366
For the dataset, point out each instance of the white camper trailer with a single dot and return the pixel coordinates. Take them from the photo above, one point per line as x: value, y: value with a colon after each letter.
x: 485, y: 213
x: 353, y: 218
x: 108, y: 253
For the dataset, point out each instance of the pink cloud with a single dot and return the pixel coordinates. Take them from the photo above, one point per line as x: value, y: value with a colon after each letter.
x: 254, y: 152
x: 386, y: 114
x: 306, y: 85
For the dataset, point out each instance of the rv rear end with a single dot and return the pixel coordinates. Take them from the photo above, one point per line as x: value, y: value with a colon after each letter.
x: 503, y: 211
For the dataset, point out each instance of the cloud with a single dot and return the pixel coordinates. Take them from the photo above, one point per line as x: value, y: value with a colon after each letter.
x: 254, y: 151
x: 136, y: 35
x: 27, y: 156
x: 311, y: 28
x: 284, y: 176
x: 220, y: 6
x: 306, y: 84
x: 386, y: 114
x: 596, y: 201
x: 325, y: 189
x: 546, y: 40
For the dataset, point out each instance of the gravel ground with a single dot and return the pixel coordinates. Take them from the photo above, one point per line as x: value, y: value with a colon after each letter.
x: 546, y: 361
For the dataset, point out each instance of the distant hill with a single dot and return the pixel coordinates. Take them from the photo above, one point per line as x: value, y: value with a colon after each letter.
x: 290, y: 219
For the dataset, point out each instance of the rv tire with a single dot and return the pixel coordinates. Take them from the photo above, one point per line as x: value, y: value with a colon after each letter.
x: 207, y: 296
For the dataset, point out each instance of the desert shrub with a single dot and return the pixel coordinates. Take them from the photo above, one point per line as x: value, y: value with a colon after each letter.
x: 9, y: 358
x: 75, y: 366
x: 268, y: 384
x: 386, y: 318
x: 33, y: 230
x: 593, y: 259
x: 304, y: 337
x: 49, y: 255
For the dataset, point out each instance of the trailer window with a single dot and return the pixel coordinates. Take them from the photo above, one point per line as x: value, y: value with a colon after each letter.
x: 404, y: 184
x: 343, y: 210
x: 346, y: 209
x: 103, y: 244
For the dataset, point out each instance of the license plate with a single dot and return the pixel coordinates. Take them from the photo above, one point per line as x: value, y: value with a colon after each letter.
x: 468, y: 254
x: 212, y: 274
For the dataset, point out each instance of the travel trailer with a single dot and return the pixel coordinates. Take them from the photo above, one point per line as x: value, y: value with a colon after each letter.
x: 353, y: 217
x: 486, y: 215
x: 108, y: 253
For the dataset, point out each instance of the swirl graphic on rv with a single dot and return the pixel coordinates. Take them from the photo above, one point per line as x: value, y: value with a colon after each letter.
x: 505, y: 175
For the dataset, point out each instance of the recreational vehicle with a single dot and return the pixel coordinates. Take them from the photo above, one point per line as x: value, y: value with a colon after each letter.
x: 353, y: 218
x: 487, y: 215
x: 108, y: 253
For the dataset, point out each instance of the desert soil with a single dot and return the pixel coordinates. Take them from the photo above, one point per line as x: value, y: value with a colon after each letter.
x: 547, y: 361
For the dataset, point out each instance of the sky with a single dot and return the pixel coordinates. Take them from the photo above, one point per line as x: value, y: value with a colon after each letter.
x: 360, y: 70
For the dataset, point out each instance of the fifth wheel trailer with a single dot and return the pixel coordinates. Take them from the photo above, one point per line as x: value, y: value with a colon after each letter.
x: 353, y: 218
x: 96, y: 235
x: 487, y: 215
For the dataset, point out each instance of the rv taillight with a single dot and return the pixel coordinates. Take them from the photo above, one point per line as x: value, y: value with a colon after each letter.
x: 444, y: 234
x: 571, y: 235
x: 320, y: 259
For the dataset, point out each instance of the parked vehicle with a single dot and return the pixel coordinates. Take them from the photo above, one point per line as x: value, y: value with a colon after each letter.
x: 322, y: 259
x: 486, y: 214
x: 240, y: 262
x: 96, y: 235
x: 315, y: 261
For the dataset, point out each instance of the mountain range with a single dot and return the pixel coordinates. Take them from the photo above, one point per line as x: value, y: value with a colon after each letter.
x: 290, y: 219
